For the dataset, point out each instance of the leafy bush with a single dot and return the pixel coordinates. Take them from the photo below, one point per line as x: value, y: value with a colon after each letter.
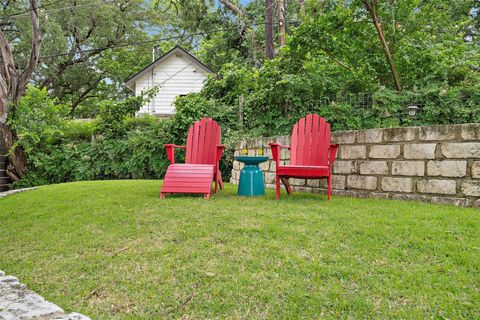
x: 110, y: 120
x: 113, y: 146
x: 78, y: 130
x: 38, y: 119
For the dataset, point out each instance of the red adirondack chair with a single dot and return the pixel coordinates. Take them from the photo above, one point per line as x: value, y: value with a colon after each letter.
x: 203, y: 154
x: 311, y: 154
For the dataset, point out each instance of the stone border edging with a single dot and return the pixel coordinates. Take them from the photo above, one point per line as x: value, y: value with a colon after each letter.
x: 18, y: 302
x: 10, y: 192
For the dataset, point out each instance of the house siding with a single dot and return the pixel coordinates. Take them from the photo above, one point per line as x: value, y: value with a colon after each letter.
x: 175, y: 76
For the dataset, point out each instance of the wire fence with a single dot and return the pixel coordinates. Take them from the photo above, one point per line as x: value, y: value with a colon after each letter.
x: 367, y: 100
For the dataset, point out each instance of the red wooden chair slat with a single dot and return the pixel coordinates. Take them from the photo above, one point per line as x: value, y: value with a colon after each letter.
x: 308, y: 140
x: 213, y: 141
x: 311, y: 154
x: 201, y: 167
x: 300, y: 142
x: 293, y: 150
x: 322, y: 151
x: 314, y: 146
x: 209, y: 156
x: 188, y: 151
x: 207, y: 141
x: 196, y: 139
x: 326, y: 142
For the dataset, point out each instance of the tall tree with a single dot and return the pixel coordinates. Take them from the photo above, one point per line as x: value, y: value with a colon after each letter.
x: 269, y: 29
x: 85, y: 51
x: 12, y: 86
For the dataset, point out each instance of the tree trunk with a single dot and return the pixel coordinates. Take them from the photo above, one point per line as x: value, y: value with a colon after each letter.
x: 301, y: 4
x: 269, y: 29
x: 281, y: 23
x: 370, y: 5
x: 12, y: 87
x: 17, y: 164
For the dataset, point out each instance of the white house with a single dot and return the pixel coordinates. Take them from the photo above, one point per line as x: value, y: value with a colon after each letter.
x: 175, y: 73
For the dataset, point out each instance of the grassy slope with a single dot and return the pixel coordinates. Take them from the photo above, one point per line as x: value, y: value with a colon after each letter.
x: 233, y: 257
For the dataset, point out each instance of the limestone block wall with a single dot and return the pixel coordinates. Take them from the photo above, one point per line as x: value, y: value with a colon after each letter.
x: 439, y: 164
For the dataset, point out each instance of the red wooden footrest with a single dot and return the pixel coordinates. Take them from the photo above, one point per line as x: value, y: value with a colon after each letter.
x: 188, y: 178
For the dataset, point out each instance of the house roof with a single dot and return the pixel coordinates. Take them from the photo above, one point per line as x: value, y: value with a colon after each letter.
x: 129, y: 83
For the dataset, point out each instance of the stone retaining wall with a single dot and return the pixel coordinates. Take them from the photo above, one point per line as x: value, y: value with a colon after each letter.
x: 439, y: 164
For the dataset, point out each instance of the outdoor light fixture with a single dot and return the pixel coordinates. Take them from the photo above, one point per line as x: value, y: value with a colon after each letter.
x: 412, y: 110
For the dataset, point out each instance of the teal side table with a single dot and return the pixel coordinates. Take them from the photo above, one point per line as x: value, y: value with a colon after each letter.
x: 251, y: 177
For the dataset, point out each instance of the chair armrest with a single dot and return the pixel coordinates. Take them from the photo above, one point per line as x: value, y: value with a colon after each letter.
x: 170, y: 148
x: 220, y: 149
x: 332, y: 153
x: 174, y: 145
x: 280, y: 145
x: 276, y: 147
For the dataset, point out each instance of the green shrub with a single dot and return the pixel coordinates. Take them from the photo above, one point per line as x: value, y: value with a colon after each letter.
x: 38, y: 119
x: 79, y: 130
x: 113, y: 146
x: 112, y: 115
x: 138, y: 154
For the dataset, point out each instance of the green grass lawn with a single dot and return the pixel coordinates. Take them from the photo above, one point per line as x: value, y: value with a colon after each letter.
x: 113, y: 250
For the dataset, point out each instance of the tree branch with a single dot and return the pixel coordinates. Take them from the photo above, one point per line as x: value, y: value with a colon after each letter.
x: 3, y: 100
x: 232, y: 7
x: 7, y: 57
x: 84, y: 95
x: 35, y: 50
x: 370, y: 5
x: 242, y: 27
x: 8, y: 76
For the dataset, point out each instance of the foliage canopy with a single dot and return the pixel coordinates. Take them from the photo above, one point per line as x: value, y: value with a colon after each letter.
x: 332, y: 64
